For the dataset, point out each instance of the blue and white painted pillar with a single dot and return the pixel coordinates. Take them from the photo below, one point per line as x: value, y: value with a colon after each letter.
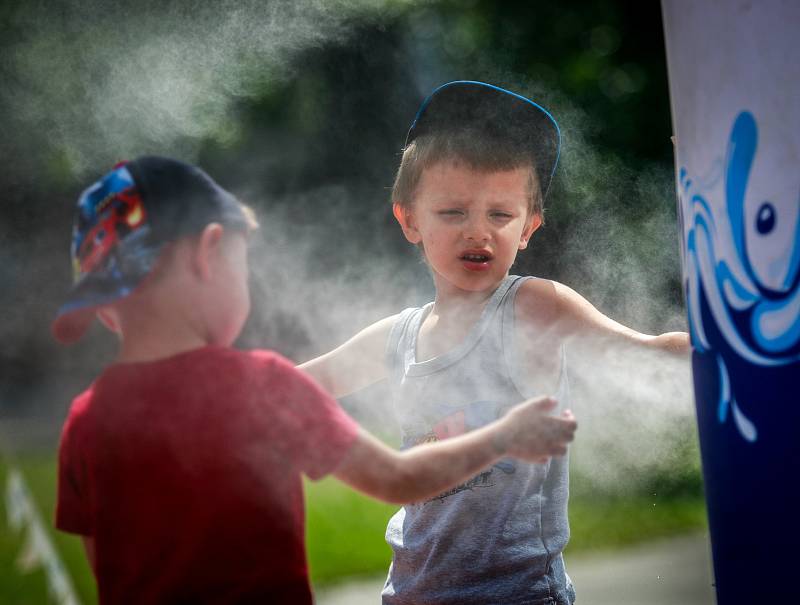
x: 734, y: 71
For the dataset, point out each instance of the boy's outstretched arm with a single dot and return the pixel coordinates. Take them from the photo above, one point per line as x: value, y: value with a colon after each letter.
x: 554, y: 310
x: 356, y: 364
x: 527, y: 432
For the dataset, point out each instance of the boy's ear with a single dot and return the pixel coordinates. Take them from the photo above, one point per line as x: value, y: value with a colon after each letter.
x: 209, y: 245
x: 405, y: 217
x: 530, y: 227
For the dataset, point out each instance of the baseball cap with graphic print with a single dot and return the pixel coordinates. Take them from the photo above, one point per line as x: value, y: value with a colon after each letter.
x: 122, y: 223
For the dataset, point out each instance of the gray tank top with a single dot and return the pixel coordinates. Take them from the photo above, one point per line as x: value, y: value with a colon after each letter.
x: 498, y: 538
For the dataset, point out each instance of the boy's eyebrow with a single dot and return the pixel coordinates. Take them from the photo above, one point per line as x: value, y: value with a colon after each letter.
x: 500, y: 199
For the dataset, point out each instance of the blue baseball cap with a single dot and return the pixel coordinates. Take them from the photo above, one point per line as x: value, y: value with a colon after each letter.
x: 122, y: 223
x: 501, y: 114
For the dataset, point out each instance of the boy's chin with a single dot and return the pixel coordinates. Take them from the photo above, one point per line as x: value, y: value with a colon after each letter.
x: 469, y: 281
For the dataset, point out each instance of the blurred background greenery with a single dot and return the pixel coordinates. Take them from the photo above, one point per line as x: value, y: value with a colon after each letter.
x: 301, y: 108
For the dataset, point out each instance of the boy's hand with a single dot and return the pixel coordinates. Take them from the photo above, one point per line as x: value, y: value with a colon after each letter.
x: 677, y: 343
x: 530, y: 432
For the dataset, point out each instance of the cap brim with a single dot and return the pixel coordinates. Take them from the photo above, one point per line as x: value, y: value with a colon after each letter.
x: 75, y: 317
x: 102, y: 288
x: 69, y: 327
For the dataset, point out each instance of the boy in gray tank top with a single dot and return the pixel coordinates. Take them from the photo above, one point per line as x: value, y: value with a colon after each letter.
x: 469, y: 193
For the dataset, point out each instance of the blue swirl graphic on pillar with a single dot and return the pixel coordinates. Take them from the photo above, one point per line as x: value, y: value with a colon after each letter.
x: 742, y: 264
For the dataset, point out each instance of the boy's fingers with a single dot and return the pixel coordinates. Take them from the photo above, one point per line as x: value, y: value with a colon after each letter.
x: 545, y: 404
x: 563, y: 427
x: 568, y: 425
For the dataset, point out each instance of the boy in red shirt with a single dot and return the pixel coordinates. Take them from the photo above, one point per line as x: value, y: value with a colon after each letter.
x: 181, y: 465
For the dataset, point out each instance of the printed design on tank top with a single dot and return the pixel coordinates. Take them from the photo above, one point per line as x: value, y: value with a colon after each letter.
x: 457, y: 420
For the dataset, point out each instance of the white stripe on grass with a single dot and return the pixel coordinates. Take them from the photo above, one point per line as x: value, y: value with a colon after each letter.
x: 38, y: 549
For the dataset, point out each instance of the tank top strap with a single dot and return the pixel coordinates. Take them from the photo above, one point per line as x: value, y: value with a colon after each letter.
x: 399, y: 338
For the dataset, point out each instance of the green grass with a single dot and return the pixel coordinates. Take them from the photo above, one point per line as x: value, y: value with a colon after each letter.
x: 31, y: 587
x: 612, y: 523
x: 345, y: 530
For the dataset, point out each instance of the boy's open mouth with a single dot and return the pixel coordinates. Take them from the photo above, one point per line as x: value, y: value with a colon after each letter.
x: 476, y: 260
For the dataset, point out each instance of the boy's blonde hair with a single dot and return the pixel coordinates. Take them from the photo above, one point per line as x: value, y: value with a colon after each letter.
x: 470, y: 147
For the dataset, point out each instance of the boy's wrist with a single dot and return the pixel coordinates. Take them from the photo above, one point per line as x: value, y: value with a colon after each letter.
x: 500, y: 438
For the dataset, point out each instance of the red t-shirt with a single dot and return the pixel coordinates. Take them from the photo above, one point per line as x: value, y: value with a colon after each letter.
x: 186, y: 471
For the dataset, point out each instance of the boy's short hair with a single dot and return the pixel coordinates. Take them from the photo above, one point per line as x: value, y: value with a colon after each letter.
x: 124, y: 221
x: 485, y: 127
x: 468, y: 147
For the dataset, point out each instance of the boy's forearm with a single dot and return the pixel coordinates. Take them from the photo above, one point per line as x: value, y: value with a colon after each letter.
x: 676, y: 343
x: 320, y: 372
x: 421, y: 472
x: 356, y: 364
x: 427, y: 470
x: 527, y: 432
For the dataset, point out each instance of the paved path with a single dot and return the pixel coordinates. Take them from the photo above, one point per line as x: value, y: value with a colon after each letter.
x: 676, y: 571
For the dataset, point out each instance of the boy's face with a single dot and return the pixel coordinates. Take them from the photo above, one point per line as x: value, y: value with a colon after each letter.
x: 470, y: 223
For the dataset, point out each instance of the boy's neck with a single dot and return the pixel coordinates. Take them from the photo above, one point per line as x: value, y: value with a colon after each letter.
x: 453, y: 315
x: 455, y: 301
x: 142, y: 350
x: 158, y: 335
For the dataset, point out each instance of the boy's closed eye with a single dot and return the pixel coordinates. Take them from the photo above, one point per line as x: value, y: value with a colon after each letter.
x: 497, y: 214
x: 452, y: 215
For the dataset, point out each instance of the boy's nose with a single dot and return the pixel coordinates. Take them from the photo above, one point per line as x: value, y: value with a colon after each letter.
x: 476, y: 230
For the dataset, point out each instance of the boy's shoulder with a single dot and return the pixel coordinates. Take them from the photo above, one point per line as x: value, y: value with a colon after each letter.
x: 227, y: 364
x: 128, y: 391
x: 197, y: 370
x: 545, y: 302
x: 261, y: 371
